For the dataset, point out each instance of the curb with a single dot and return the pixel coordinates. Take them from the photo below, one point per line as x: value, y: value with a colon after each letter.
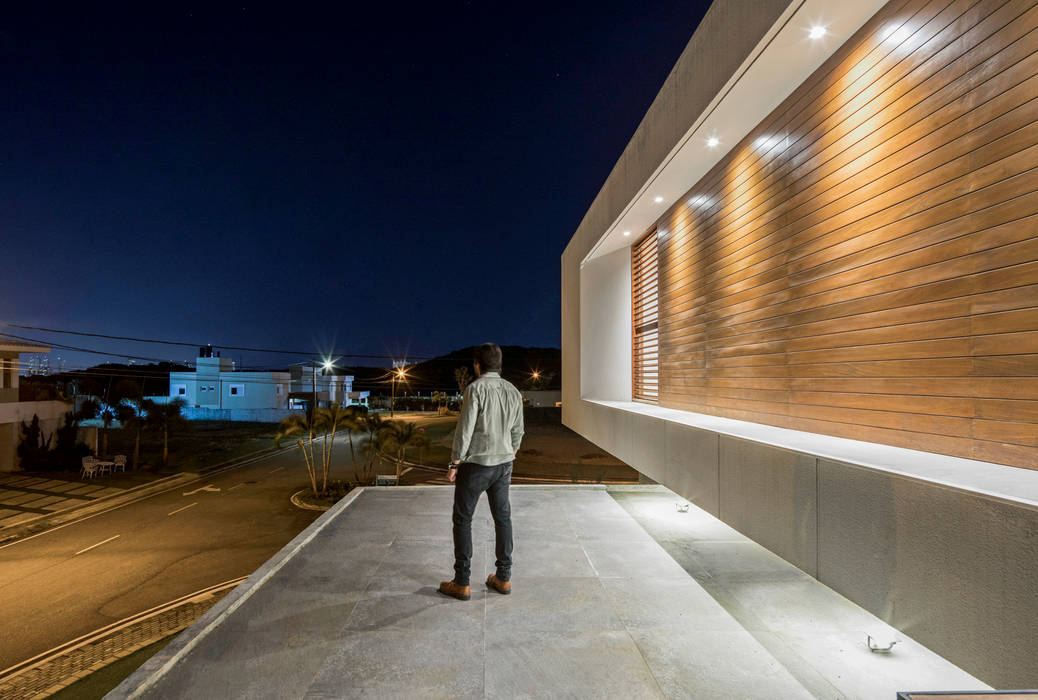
x: 62, y: 666
x: 305, y: 506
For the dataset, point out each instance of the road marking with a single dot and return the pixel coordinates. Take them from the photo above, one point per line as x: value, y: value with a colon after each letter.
x: 276, y: 470
x: 95, y: 545
x: 247, y: 460
x: 210, y: 487
x: 236, y: 486
x: 180, y: 509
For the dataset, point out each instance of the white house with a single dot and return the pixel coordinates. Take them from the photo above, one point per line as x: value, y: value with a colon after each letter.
x: 217, y: 385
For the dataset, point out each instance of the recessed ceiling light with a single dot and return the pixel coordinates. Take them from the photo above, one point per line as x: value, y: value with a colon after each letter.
x: 713, y: 141
x: 817, y: 32
x: 627, y: 233
x: 658, y: 200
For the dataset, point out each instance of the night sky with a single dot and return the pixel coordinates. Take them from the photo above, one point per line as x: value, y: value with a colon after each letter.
x: 381, y: 178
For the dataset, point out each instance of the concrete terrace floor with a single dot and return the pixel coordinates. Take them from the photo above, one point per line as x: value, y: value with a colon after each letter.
x: 616, y: 594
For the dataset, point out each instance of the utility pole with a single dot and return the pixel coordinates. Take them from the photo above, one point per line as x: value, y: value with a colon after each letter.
x: 313, y: 408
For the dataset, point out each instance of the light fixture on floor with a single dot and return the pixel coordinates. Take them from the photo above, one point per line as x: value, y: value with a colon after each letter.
x: 681, y: 506
x: 879, y: 646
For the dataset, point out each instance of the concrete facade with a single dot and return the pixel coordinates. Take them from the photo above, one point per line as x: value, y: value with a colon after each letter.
x: 943, y: 548
x: 50, y: 413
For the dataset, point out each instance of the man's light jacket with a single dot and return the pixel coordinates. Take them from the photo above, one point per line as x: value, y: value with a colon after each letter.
x: 491, y: 424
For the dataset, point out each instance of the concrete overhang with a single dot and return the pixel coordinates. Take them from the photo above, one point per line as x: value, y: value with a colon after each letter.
x: 781, y: 61
x: 17, y: 346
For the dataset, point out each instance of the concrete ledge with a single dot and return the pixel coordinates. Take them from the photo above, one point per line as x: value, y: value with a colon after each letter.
x: 940, y: 547
x: 994, y: 480
x: 152, y: 670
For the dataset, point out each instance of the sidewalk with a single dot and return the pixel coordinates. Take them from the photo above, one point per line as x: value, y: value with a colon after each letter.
x: 26, y: 497
x: 600, y: 608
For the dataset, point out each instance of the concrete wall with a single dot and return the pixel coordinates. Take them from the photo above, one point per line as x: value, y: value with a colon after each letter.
x: 254, y: 415
x: 50, y: 413
x: 605, y: 327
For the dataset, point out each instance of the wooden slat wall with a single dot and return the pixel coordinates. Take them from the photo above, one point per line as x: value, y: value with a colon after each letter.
x: 865, y: 263
x: 645, y: 287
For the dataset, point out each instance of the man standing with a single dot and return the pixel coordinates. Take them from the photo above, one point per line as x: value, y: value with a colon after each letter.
x: 485, y: 443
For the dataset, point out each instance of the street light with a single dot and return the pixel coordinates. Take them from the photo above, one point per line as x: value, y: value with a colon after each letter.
x: 326, y: 367
x: 399, y: 374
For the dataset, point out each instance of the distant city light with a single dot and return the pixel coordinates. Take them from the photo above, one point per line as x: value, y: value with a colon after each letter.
x: 713, y: 141
x: 817, y: 32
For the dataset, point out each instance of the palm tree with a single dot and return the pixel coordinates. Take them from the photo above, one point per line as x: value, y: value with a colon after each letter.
x: 165, y: 417
x: 397, y: 436
x: 463, y: 378
x: 301, y: 426
x: 329, y: 420
x: 131, y: 415
x: 107, y: 414
x: 373, y: 423
x: 354, y: 420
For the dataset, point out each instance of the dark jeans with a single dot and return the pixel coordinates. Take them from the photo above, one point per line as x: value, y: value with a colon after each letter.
x: 473, y: 480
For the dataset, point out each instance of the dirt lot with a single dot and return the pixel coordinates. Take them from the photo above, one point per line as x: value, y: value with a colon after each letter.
x: 201, y: 443
x: 550, y: 452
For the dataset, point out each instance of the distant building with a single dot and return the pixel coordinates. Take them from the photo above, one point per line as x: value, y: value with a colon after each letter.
x: 38, y: 365
x: 217, y: 385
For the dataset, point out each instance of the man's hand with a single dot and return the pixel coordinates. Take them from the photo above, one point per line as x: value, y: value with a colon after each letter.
x: 452, y: 472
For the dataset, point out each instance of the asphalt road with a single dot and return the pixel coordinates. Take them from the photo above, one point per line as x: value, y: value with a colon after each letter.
x: 67, y: 582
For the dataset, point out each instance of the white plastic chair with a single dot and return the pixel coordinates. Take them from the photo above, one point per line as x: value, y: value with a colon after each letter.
x: 119, y: 463
x: 89, y: 469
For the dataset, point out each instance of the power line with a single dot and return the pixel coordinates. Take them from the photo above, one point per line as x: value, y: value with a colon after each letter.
x: 306, y: 353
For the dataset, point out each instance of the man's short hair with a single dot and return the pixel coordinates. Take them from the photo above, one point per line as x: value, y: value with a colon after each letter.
x: 488, y: 355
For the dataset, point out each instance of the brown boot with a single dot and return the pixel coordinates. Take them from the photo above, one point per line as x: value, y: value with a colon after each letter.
x: 502, y: 587
x: 455, y: 591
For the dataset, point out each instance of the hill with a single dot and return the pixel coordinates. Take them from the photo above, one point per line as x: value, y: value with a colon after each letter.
x: 437, y: 374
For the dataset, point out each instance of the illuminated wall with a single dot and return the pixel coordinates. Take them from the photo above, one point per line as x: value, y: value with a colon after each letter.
x: 864, y: 263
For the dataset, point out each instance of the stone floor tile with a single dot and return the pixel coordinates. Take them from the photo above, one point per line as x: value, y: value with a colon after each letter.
x: 423, y: 611
x: 554, y: 557
x: 399, y: 664
x: 626, y: 558
x: 666, y: 604
x: 588, y: 664
x: 715, y: 664
x: 552, y: 604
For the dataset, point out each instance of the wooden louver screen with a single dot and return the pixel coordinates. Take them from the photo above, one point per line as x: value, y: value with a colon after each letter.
x: 645, y: 288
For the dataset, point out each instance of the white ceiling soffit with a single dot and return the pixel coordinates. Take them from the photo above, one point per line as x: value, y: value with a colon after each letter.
x: 785, y: 57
